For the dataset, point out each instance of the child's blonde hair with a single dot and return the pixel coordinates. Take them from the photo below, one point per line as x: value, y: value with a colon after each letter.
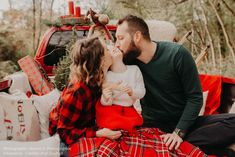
x: 87, y: 55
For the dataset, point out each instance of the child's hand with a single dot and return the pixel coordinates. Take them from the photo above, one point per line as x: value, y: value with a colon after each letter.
x: 107, y: 94
x: 116, y: 54
x: 127, y: 90
x: 113, y: 86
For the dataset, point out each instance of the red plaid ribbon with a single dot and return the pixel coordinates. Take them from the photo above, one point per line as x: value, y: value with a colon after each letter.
x: 4, y: 84
x: 146, y: 142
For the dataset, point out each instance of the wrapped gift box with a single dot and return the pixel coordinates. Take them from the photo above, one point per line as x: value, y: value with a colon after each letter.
x: 36, y: 74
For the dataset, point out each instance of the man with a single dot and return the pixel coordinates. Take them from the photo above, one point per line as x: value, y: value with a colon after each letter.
x: 173, y: 92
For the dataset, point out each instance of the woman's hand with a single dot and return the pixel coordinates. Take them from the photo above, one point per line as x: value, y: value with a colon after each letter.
x: 110, y: 134
x: 172, y: 140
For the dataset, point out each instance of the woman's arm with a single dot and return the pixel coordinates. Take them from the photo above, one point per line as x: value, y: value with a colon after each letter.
x: 71, y: 124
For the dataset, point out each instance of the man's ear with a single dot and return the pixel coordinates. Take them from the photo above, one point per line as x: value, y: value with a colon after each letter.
x: 137, y: 36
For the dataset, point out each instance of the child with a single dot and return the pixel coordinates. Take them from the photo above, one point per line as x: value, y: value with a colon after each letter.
x: 119, y: 107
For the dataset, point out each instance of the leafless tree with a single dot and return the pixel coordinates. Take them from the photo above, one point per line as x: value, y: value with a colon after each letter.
x: 34, y: 23
x: 51, y: 9
x: 227, y: 6
x: 209, y: 34
x: 39, y: 24
x: 10, y: 4
x: 227, y: 38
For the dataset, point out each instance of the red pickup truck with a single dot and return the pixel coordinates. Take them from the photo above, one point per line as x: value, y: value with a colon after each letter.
x: 53, y: 44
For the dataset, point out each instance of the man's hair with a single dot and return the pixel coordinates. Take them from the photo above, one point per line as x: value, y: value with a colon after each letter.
x: 87, y: 56
x: 136, y: 24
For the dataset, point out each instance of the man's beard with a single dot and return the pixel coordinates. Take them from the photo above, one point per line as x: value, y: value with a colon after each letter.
x: 131, y: 54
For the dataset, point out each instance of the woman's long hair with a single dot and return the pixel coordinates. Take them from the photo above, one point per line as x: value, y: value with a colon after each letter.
x: 87, y: 55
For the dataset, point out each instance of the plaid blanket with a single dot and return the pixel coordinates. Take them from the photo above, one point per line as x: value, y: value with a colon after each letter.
x: 145, y: 142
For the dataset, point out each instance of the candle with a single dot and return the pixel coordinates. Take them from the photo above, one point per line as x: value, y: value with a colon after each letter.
x: 71, y: 8
x: 77, y: 11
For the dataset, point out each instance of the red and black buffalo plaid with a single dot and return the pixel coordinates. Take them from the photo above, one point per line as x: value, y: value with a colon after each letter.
x: 74, y: 115
x: 146, y: 142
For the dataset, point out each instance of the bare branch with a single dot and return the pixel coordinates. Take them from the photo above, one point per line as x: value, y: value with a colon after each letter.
x: 34, y: 24
x: 182, y: 1
x: 10, y: 4
x: 202, y: 55
x: 51, y: 9
x: 183, y: 39
x: 226, y: 5
x: 40, y: 24
x: 228, y: 41
x: 173, y: 2
x: 209, y: 35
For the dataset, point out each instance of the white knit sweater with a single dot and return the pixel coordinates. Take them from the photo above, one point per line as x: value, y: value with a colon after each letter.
x: 131, y: 77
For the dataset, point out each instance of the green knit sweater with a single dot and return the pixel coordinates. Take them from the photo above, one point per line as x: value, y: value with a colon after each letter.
x: 173, y: 92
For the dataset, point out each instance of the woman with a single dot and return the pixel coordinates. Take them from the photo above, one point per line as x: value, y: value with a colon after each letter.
x: 74, y: 115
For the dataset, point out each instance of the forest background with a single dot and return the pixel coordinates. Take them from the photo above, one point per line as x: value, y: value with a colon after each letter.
x: 212, y: 23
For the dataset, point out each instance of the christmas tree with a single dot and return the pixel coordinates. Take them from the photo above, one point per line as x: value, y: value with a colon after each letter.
x: 63, y: 67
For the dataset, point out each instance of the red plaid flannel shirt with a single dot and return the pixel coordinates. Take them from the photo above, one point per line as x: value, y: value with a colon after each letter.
x: 74, y: 115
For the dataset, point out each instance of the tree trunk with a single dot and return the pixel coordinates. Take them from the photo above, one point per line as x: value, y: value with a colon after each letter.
x: 220, y: 58
x: 39, y: 24
x: 209, y: 36
x: 51, y: 9
x: 34, y: 24
x: 227, y: 39
x: 221, y: 34
x: 10, y: 4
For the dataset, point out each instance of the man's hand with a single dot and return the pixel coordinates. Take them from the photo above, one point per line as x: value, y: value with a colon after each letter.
x: 110, y: 134
x: 172, y: 140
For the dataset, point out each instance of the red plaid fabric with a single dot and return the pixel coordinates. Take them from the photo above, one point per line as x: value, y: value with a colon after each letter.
x: 4, y: 84
x: 146, y: 142
x: 74, y: 115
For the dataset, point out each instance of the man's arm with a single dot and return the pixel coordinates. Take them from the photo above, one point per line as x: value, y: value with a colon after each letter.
x: 189, y: 78
x: 187, y: 71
